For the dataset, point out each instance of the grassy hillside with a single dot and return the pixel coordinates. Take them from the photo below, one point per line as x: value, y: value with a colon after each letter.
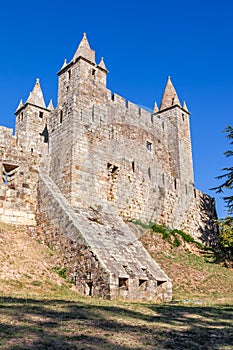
x: 40, y: 310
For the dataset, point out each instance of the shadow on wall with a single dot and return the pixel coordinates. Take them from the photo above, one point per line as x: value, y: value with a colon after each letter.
x: 209, y: 229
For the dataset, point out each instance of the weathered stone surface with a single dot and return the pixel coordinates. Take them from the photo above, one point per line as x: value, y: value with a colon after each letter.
x: 102, y: 160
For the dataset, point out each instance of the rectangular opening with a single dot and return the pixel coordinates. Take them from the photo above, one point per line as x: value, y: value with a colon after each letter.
x: 123, y: 283
x: 89, y: 288
x: 149, y: 145
x: 143, y: 284
x: 41, y: 114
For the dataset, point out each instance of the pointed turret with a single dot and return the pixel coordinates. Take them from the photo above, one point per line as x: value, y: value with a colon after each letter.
x: 50, y: 105
x: 64, y: 64
x: 102, y: 64
x: 84, y: 50
x: 19, y: 106
x: 36, y: 96
x: 155, y: 107
x: 170, y: 97
x: 185, y: 107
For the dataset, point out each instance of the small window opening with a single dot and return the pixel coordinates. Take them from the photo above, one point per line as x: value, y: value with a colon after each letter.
x: 133, y: 167
x: 186, y: 189
x: 89, y: 288
x: 61, y: 116
x: 183, y: 116
x: 31, y: 150
x: 195, y: 193
x: 112, y: 168
x: 22, y: 116
x: 175, y: 184
x: 163, y: 179
x: 93, y: 72
x: 149, y: 173
x: 149, y: 145
x: 113, y: 97
x: 41, y: 114
x: 160, y: 282
x: 143, y: 284
x: 163, y: 125
x: 140, y: 111
x: 152, y: 119
x: 173, y: 101
x: 123, y: 283
x: 69, y: 74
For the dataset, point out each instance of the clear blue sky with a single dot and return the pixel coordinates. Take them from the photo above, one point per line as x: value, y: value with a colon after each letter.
x: 142, y: 43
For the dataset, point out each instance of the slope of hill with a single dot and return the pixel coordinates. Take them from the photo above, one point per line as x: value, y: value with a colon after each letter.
x: 40, y: 310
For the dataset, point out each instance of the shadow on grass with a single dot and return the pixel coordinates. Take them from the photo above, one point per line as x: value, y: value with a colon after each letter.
x: 58, y: 324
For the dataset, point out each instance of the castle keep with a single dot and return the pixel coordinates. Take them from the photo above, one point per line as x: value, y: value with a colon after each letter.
x: 79, y: 172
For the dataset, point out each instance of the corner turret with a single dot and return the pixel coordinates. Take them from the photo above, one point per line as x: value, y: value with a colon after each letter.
x: 32, y: 119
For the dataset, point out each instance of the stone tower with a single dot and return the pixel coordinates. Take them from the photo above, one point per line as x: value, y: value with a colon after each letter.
x: 32, y: 120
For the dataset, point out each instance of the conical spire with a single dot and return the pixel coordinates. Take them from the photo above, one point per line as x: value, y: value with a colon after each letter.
x: 50, y: 105
x: 84, y: 50
x: 36, y: 96
x: 102, y: 64
x: 155, y: 107
x: 170, y: 97
x: 19, y: 106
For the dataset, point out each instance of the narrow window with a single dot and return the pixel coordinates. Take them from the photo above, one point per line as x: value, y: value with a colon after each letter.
x: 186, y: 189
x: 41, y: 115
x: 149, y: 173
x: 69, y: 74
x: 175, y: 184
x: 61, y: 116
x: 21, y: 116
x: 183, y: 116
x: 93, y: 72
x: 195, y: 193
x: 133, y: 167
x: 113, y: 97
x: 90, y: 288
x: 163, y: 179
x: 149, y: 145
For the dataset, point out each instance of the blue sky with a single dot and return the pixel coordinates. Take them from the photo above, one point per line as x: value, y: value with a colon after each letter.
x: 142, y: 43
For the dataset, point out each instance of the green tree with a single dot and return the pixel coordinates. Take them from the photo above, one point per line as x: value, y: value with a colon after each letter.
x: 226, y: 224
x: 226, y: 237
x: 228, y: 175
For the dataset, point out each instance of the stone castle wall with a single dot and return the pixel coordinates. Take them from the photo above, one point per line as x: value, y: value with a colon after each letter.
x: 19, y: 180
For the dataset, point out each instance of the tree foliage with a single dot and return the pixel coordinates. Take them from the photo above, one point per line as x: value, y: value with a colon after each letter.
x: 228, y: 174
x: 226, y: 237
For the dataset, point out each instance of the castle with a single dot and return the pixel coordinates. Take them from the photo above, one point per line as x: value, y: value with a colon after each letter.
x: 81, y: 171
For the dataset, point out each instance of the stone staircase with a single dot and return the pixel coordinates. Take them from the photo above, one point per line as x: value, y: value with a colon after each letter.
x: 109, y: 260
